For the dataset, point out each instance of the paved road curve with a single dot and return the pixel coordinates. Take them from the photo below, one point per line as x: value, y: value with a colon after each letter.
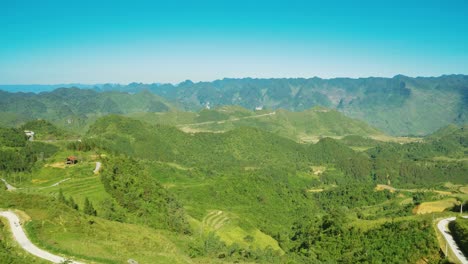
x: 25, y: 243
x: 9, y: 187
x: 12, y: 188
x: 443, y: 227
x: 98, y: 167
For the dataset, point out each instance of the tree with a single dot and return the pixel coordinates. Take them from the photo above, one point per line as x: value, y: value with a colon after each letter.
x: 72, y: 204
x: 460, y: 202
x: 61, y: 197
x: 88, y: 208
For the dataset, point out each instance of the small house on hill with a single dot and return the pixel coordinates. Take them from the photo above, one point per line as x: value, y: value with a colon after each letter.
x: 72, y: 160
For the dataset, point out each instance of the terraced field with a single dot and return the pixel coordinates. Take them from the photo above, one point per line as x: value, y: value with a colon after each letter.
x: 215, y: 220
x: 231, y: 230
x: 79, y: 189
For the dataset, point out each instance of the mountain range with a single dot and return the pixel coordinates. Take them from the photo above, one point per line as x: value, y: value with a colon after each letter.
x: 398, y: 106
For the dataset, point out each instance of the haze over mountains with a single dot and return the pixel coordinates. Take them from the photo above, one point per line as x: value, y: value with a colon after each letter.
x: 398, y: 106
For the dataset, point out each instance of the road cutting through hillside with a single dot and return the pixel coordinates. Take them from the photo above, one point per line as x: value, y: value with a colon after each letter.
x: 12, y: 188
x: 443, y: 228
x: 8, y: 186
x: 20, y: 236
x: 98, y: 167
x: 226, y: 120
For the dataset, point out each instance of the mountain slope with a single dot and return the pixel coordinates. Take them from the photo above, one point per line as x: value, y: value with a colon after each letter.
x: 74, y: 108
x: 305, y: 126
x: 400, y: 105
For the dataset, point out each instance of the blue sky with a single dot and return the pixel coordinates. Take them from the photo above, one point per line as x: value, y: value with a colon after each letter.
x: 49, y: 42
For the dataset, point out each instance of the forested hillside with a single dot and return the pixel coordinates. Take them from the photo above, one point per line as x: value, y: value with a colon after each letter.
x: 408, y: 164
x: 400, y: 105
x: 244, y: 195
x: 306, y: 126
x: 74, y: 108
x: 459, y: 228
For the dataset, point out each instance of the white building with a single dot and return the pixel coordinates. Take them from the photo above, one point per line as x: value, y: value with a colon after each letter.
x: 29, y: 134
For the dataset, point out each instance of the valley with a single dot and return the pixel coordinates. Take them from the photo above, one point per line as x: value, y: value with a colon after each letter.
x: 229, y: 132
x: 247, y: 188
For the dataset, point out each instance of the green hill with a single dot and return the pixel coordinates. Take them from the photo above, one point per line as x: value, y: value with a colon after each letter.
x: 459, y: 229
x: 245, y: 195
x: 305, y: 126
x: 44, y: 130
x: 399, y: 106
x: 74, y: 109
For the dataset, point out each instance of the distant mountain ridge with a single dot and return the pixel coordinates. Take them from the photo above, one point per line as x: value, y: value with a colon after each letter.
x: 73, y: 107
x: 399, y: 106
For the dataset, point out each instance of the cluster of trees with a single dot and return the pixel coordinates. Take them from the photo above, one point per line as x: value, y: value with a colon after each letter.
x: 390, y: 163
x: 17, y: 154
x: 352, y: 196
x: 209, y: 245
x: 329, y: 239
x: 43, y: 129
x: 88, y: 207
x: 84, y: 145
x: 393, y: 164
x: 459, y: 230
x: 129, y: 184
x: 8, y: 252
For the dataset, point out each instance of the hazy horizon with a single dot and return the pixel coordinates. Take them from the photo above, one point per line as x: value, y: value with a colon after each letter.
x: 214, y: 80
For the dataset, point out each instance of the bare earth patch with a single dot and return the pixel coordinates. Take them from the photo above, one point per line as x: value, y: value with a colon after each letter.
x: 464, y: 189
x: 59, y: 165
x: 38, y: 181
x: 434, y: 207
x: 315, y: 190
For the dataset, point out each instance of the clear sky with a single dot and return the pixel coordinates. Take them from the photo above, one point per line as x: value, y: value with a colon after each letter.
x: 50, y: 42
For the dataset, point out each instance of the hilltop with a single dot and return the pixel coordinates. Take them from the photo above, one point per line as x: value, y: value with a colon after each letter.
x: 74, y: 108
x: 305, y: 126
x: 245, y: 195
x: 398, y: 106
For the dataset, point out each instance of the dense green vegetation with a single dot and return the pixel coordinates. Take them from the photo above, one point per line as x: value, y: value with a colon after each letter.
x: 17, y: 154
x: 245, y: 195
x: 44, y: 130
x: 413, y: 163
x: 399, y: 106
x: 459, y: 230
x: 305, y: 126
x: 9, y: 252
x: 328, y: 240
x: 141, y: 195
x: 72, y: 108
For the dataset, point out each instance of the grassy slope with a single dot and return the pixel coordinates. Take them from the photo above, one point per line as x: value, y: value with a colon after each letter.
x: 303, y: 126
x: 460, y: 233
x: 249, y: 204
x: 83, y: 183
x: 62, y: 230
x: 10, y: 251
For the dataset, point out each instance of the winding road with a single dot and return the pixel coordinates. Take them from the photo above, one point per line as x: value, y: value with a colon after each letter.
x: 12, y: 188
x: 443, y: 228
x: 227, y: 120
x: 98, y: 167
x: 20, y: 236
x: 9, y: 187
